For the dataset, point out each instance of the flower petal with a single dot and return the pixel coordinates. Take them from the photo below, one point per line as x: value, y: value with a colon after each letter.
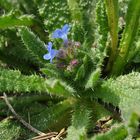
x: 66, y: 29
x: 49, y: 47
x: 47, y: 56
x: 57, y: 33
x: 54, y: 53
x: 65, y: 38
x: 51, y: 60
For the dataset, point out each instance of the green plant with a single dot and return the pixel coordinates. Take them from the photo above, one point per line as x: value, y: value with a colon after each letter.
x: 95, y: 75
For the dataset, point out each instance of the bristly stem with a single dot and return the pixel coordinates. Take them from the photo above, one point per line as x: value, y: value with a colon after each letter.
x: 112, y: 14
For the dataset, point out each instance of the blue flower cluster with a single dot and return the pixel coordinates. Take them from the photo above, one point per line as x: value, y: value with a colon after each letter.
x: 62, y: 33
x: 51, y: 52
x: 58, y: 33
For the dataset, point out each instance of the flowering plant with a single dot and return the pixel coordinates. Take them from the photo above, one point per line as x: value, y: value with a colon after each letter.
x: 88, y: 84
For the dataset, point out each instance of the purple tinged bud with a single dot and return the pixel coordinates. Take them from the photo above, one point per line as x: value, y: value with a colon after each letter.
x: 62, y: 54
x: 70, y: 43
x: 61, y: 65
x: 74, y: 62
x: 77, y: 44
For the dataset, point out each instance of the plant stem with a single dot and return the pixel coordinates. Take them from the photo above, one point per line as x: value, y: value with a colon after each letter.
x: 112, y: 13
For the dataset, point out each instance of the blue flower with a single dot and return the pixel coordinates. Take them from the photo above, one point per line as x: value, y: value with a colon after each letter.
x: 52, y: 52
x: 62, y: 33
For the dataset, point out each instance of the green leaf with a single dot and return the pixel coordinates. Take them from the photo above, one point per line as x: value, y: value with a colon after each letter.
x: 87, y: 8
x: 113, y: 16
x: 80, y: 73
x: 134, y: 54
x: 122, y: 92
x: 32, y: 43
x: 75, y: 10
x: 5, y: 4
x: 55, y: 11
x: 133, y: 124
x: 93, y: 79
x: 130, y: 31
x: 117, y: 132
x: 60, y: 88
x: 80, y: 122
x: 42, y: 117
x: 13, y: 62
x: 23, y: 102
x: 50, y: 70
x: 13, y: 81
x: 98, y: 113
x: 102, y: 22
x: 8, y: 21
x: 53, y: 118
x: 9, y: 130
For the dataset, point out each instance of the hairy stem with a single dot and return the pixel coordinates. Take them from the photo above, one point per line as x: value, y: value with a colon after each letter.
x: 112, y: 13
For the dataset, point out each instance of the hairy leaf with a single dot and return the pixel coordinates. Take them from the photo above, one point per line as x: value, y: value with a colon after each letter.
x: 93, y: 79
x: 131, y: 28
x: 112, y: 13
x: 9, y: 130
x: 14, y: 81
x: 8, y: 21
x: 122, y: 92
x: 118, y: 132
x: 102, y: 25
x: 59, y: 88
x: 133, y: 124
x: 54, y: 118
x: 80, y: 122
x: 32, y: 43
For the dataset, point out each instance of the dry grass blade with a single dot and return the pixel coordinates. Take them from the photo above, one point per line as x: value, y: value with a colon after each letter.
x: 51, y: 136
x: 46, y: 136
